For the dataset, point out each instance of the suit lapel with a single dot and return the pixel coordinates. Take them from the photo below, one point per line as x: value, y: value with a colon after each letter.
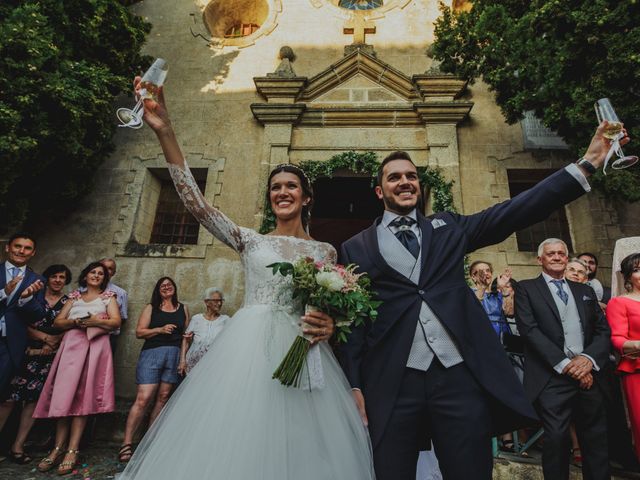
x: 3, y: 274
x: 546, y: 294
x: 426, y: 231
x: 577, y: 297
x: 373, y: 251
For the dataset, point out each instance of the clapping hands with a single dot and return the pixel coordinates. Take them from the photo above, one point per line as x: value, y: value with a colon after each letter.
x: 504, y: 278
x: 27, y: 292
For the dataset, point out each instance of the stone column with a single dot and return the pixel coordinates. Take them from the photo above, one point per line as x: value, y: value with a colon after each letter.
x: 441, y: 114
x: 278, y: 116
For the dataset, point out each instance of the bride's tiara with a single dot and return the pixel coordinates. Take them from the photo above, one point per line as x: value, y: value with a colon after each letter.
x: 296, y: 168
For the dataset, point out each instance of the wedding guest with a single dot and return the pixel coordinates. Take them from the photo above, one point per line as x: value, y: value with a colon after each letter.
x: 18, y: 305
x: 202, y: 330
x: 591, y: 261
x: 577, y: 271
x: 508, y: 308
x: 481, y: 273
x: 80, y: 382
x: 122, y: 298
x: 43, y: 344
x: 162, y: 324
x: 566, y: 345
x: 623, y: 314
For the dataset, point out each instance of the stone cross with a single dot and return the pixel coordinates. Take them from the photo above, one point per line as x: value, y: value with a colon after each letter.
x: 359, y: 27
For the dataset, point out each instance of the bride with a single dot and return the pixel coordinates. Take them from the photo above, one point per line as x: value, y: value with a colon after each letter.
x: 229, y: 420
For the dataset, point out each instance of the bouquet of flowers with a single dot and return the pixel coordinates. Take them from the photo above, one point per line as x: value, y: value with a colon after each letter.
x: 331, y: 288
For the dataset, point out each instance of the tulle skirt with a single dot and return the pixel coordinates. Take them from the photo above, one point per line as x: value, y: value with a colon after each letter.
x: 229, y: 420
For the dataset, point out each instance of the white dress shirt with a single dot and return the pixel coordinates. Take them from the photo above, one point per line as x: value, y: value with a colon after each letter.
x: 3, y: 295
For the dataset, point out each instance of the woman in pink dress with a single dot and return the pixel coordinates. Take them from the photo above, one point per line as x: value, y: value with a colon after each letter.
x: 80, y: 382
x: 623, y: 313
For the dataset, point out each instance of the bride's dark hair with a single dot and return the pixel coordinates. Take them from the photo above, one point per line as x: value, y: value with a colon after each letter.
x: 305, y: 184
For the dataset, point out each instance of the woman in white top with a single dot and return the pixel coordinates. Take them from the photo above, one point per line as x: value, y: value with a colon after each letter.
x: 203, y: 328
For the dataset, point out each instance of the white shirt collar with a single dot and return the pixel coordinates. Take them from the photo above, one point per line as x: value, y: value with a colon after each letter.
x: 388, y: 217
x: 548, y: 278
x: 8, y: 265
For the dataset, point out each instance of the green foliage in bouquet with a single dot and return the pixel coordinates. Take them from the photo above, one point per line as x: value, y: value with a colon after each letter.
x: 332, y: 289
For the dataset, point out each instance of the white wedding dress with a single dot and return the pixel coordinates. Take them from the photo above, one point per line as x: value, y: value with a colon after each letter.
x: 229, y: 420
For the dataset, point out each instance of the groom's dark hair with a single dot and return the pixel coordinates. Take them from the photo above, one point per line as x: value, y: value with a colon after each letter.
x: 397, y: 155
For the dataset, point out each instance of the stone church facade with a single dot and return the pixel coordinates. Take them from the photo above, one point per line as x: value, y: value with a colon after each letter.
x: 356, y: 76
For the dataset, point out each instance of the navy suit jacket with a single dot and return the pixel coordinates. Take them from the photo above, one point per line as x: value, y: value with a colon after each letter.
x: 539, y: 324
x: 17, y: 318
x: 375, y: 356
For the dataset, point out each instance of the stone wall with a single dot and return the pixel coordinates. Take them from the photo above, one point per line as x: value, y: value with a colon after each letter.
x: 210, y: 89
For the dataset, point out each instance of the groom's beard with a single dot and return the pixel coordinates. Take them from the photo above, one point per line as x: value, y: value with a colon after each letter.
x: 391, y: 204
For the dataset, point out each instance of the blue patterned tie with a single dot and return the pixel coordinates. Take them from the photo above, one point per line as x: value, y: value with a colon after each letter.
x: 406, y: 235
x: 13, y: 272
x: 564, y: 296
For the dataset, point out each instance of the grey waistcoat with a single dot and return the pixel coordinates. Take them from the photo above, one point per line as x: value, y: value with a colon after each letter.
x: 571, y: 325
x: 431, y: 338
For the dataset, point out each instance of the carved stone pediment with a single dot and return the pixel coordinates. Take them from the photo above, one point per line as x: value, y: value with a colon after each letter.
x: 361, y: 90
x: 364, y: 65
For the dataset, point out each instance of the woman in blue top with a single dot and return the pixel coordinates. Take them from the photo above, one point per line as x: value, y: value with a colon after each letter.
x: 492, y: 300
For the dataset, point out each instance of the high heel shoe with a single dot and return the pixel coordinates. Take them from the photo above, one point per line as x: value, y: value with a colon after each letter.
x: 66, y: 467
x: 47, y: 463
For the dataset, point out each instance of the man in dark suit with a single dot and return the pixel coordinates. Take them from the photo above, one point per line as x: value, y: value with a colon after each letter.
x: 567, y: 343
x: 18, y: 305
x: 431, y: 365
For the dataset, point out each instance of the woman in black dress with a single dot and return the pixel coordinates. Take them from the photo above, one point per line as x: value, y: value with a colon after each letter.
x: 43, y: 344
x: 162, y: 324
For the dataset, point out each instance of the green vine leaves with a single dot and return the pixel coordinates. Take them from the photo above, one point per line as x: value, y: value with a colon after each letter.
x: 431, y: 179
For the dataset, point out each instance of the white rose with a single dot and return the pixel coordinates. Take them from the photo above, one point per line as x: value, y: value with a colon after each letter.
x: 330, y: 280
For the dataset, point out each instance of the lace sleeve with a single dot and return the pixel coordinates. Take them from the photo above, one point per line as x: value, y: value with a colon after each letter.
x: 331, y: 256
x: 211, y: 218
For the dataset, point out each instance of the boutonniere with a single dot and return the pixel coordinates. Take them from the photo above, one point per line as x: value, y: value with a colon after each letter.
x: 437, y: 223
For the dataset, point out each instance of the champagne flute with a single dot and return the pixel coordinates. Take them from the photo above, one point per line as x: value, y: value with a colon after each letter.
x: 605, y: 111
x: 151, y: 81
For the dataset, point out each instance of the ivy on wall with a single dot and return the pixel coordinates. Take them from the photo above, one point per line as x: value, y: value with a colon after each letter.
x: 367, y: 163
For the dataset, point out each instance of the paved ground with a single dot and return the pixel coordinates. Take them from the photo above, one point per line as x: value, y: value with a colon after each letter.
x: 99, y: 462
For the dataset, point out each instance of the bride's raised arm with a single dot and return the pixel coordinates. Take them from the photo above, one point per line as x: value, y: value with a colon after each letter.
x: 157, y: 117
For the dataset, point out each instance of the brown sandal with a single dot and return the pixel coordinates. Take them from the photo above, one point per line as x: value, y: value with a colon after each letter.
x: 125, y: 453
x: 67, y: 467
x: 47, y: 463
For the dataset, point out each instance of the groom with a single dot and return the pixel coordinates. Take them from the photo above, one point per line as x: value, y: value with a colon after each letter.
x: 431, y: 365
